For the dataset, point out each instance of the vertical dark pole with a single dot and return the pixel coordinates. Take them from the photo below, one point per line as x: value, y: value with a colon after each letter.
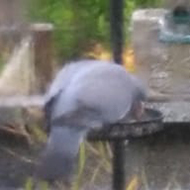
x: 118, y: 165
x: 116, y: 26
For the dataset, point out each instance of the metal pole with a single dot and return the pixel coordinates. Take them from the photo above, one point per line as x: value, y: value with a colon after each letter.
x: 116, y: 27
x: 118, y: 165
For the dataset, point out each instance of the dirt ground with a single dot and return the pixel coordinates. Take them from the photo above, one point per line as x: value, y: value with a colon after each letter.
x: 16, y: 163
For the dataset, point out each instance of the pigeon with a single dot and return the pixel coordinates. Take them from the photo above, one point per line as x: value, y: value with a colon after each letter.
x: 84, y: 95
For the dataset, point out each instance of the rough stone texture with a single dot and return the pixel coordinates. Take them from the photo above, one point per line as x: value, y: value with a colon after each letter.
x: 173, y: 111
x: 160, y: 161
x: 165, y: 66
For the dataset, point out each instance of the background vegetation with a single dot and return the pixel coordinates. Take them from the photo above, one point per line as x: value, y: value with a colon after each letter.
x: 80, y: 23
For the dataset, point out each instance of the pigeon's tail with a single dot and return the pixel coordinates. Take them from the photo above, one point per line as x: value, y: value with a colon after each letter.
x: 59, y: 157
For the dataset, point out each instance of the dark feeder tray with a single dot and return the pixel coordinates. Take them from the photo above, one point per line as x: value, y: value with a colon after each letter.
x: 151, y: 122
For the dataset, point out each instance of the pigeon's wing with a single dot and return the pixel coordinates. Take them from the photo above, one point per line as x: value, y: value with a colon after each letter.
x: 66, y: 74
x: 62, y: 79
x: 58, y: 86
x: 105, y: 88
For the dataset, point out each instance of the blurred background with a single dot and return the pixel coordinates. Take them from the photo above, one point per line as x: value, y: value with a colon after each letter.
x: 37, y: 37
x: 81, y: 25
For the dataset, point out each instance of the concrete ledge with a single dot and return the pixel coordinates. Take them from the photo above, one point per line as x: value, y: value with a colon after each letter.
x: 22, y: 101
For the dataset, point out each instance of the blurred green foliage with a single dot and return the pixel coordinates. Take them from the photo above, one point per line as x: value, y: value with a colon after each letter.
x: 80, y: 23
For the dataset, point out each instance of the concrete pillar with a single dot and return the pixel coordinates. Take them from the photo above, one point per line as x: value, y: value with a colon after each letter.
x: 165, y: 65
x: 43, y: 55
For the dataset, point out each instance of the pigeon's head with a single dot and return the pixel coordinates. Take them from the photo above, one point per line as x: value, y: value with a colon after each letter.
x: 139, y: 97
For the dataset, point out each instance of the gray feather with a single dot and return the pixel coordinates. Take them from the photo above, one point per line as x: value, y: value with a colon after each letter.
x: 59, y: 156
x: 85, y: 94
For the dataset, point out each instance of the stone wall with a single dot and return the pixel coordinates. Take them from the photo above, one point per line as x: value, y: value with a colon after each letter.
x: 165, y: 66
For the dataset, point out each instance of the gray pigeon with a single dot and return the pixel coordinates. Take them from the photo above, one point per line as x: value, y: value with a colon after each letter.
x: 84, y: 95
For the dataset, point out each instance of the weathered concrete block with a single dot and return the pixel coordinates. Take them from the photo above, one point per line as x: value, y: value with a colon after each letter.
x: 166, y: 66
x: 160, y: 161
